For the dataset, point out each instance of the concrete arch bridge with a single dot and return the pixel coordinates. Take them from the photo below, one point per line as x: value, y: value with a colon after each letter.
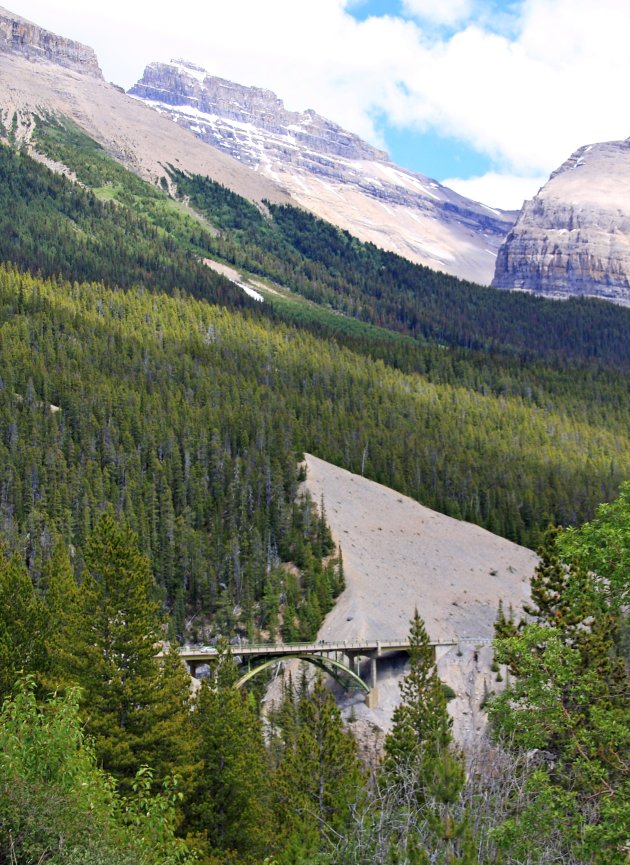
x: 339, y: 659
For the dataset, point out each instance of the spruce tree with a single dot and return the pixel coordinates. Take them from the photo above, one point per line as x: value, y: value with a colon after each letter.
x: 320, y: 776
x: 61, y: 595
x: 116, y: 643
x: 230, y: 797
x: 134, y: 703
x: 569, y: 701
x: 421, y: 721
x: 419, y: 750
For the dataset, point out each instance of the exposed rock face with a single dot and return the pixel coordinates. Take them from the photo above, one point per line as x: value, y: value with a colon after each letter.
x: 185, y: 85
x: 331, y: 172
x: 19, y: 35
x: 573, y: 238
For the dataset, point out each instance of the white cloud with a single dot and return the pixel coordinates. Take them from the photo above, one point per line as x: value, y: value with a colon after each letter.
x: 505, y: 191
x: 526, y: 96
x: 447, y: 12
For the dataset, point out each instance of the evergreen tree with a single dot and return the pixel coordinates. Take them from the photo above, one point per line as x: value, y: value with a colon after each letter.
x: 319, y: 777
x: 419, y: 752
x: 135, y: 705
x: 172, y: 742
x: 230, y: 799
x: 570, y: 701
x: 22, y: 625
x: 115, y: 645
x: 420, y: 722
x: 61, y: 595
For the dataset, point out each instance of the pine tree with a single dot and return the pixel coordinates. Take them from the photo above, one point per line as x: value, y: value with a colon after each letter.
x: 116, y: 643
x: 136, y: 706
x: 570, y: 701
x: 172, y: 744
x: 61, y: 595
x: 319, y: 776
x: 420, y: 748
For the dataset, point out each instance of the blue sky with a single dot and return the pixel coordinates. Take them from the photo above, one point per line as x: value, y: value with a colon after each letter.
x: 430, y: 152
x: 487, y: 96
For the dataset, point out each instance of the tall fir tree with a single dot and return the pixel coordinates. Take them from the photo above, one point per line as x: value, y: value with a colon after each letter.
x: 421, y: 721
x: 569, y: 700
x: 61, y: 595
x: 319, y: 778
x: 419, y: 751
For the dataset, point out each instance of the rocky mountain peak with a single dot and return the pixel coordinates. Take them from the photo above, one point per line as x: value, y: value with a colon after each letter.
x: 573, y: 238
x: 23, y: 37
x: 184, y: 84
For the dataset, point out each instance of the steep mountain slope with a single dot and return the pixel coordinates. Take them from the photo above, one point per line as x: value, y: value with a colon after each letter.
x: 573, y: 238
x: 331, y: 172
x: 399, y: 556
x: 22, y: 36
x: 43, y: 73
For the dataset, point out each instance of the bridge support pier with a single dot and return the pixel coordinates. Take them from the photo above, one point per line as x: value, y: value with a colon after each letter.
x: 373, y: 672
x: 352, y: 662
x: 371, y: 700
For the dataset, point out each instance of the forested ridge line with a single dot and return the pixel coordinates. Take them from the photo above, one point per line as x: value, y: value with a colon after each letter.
x: 52, y: 226
x: 336, y: 270
x: 333, y: 268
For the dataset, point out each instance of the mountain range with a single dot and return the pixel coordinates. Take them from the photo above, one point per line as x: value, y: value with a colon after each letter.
x: 331, y: 172
x: 572, y: 239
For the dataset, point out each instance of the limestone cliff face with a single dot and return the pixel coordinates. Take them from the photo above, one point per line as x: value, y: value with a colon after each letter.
x: 331, y: 171
x: 22, y: 37
x: 573, y: 238
x: 186, y: 85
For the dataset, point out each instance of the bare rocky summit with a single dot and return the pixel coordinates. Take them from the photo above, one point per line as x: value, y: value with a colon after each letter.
x: 185, y: 85
x: 330, y: 171
x: 573, y: 238
x: 25, y: 38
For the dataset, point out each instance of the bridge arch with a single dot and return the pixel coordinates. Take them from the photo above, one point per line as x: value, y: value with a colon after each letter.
x: 328, y: 665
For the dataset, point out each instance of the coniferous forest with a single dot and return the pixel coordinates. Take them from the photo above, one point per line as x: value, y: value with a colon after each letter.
x: 153, y: 420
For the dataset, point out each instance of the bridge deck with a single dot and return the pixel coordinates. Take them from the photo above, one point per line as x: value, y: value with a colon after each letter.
x: 203, y: 654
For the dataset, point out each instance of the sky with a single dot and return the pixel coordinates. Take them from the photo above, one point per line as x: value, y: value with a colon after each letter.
x: 486, y: 96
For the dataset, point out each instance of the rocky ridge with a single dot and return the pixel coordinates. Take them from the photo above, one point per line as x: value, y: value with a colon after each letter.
x: 573, y: 238
x: 42, y: 73
x: 330, y: 171
x: 28, y: 39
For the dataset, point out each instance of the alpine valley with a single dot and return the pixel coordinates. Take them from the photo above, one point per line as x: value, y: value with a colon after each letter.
x: 256, y: 391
